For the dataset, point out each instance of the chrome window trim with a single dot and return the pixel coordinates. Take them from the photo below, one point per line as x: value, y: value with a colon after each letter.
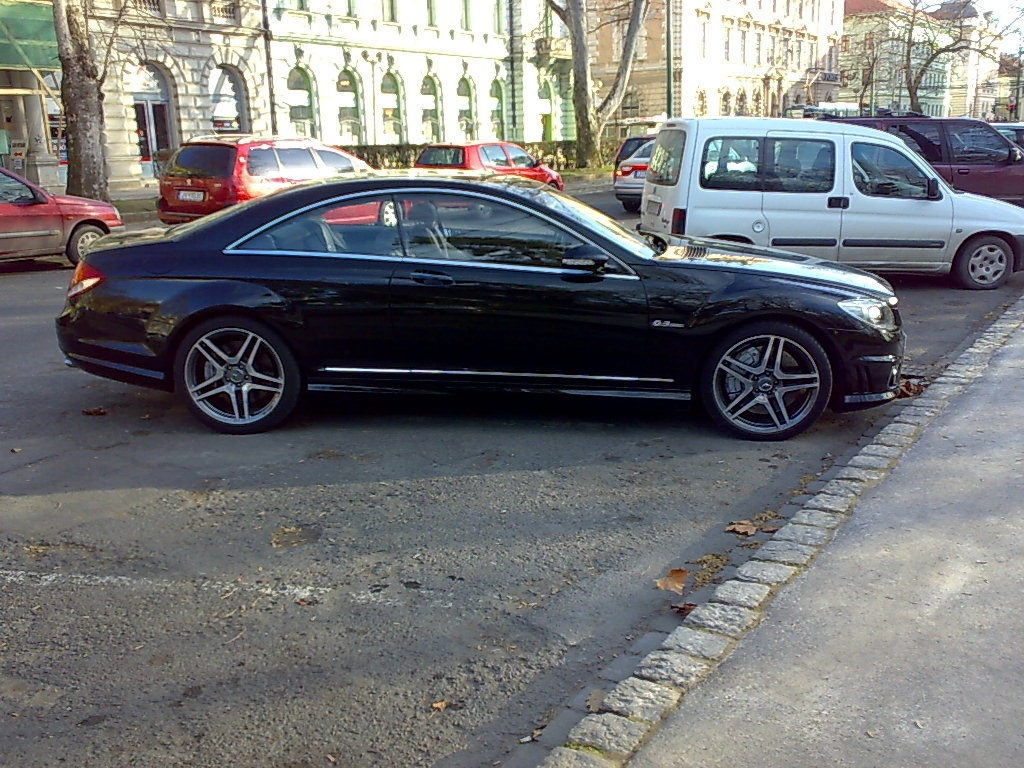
x: 439, y: 371
x: 233, y: 247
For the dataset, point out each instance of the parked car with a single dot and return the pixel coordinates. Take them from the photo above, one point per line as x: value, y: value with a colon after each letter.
x: 1013, y: 131
x: 208, y: 173
x: 630, y: 145
x: 971, y: 155
x: 629, y: 177
x: 35, y: 223
x: 829, y: 189
x: 497, y: 284
x: 494, y: 156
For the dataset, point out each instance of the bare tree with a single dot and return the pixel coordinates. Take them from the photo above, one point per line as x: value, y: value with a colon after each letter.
x: 591, y: 116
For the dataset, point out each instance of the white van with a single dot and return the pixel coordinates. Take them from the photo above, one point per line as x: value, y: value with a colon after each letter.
x: 827, y: 189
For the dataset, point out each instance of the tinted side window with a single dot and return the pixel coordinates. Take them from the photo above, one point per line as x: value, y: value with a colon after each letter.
x: 13, y: 191
x: 520, y: 157
x: 923, y: 137
x: 201, y: 161
x: 476, y: 230
x: 335, y: 162
x: 667, y: 158
x: 800, y: 165
x: 263, y: 162
x: 494, y: 155
x: 884, y: 172
x: 297, y: 163
x: 442, y: 156
x: 976, y: 143
x: 729, y: 163
x: 364, y: 226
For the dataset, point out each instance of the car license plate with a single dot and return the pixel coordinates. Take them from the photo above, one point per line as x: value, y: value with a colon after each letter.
x: 654, y: 207
x: 639, y: 174
x: 191, y: 195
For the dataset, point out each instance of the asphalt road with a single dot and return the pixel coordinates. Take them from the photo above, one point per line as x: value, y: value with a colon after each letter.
x: 384, y: 581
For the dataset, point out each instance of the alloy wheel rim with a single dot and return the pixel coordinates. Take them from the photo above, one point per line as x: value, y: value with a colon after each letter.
x: 234, y: 376
x: 766, y: 384
x: 987, y: 264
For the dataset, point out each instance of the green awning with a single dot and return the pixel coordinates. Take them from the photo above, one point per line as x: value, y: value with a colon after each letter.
x: 28, y: 39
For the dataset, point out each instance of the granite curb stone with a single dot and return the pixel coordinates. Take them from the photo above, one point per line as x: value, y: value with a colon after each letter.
x: 778, y: 560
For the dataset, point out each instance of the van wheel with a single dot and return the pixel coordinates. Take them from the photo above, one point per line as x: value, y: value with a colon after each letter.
x: 80, y: 239
x: 983, y: 263
x: 766, y: 381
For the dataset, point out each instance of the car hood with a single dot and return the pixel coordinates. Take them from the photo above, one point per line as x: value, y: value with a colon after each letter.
x: 999, y: 214
x: 71, y: 201
x: 771, y: 262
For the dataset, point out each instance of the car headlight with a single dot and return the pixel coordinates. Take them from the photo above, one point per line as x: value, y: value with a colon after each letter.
x: 875, y: 312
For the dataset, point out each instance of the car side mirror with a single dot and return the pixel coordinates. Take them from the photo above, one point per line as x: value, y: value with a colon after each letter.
x: 933, y: 188
x: 587, y: 257
x: 1016, y: 154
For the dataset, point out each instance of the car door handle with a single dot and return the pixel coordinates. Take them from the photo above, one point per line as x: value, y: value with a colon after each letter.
x: 963, y: 171
x: 432, y: 278
x: 839, y: 202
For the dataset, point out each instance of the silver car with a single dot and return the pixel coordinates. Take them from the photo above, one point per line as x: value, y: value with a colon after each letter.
x: 629, y: 177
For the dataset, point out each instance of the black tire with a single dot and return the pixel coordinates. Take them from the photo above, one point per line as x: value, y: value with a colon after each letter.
x: 237, y: 375
x: 747, y: 396
x: 631, y: 205
x: 82, y: 235
x: 983, y: 263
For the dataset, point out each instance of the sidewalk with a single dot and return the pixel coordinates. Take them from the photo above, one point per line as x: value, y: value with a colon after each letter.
x: 897, y: 646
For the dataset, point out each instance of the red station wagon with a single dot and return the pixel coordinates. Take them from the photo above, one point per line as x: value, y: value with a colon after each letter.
x: 35, y: 223
x: 212, y: 172
x: 494, y: 156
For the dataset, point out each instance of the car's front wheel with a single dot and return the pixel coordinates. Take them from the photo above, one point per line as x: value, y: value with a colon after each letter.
x: 82, y: 236
x: 237, y: 375
x: 983, y: 263
x: 766, y: 381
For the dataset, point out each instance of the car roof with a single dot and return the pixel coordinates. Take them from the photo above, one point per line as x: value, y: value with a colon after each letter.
x: 746, y: 125
x: 235, y: 139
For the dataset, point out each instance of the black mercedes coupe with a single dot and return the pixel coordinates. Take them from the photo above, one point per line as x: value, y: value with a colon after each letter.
x: 434, y: 283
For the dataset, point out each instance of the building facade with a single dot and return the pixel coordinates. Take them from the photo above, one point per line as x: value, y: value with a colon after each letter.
x: 348, y: 72
x: 730, y: 57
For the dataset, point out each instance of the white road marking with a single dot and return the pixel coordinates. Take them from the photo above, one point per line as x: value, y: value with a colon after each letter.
x: 31, y: 578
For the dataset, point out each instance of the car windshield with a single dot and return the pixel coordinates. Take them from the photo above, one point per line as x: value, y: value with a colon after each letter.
x: 593, y: 219
x: 201, y: 161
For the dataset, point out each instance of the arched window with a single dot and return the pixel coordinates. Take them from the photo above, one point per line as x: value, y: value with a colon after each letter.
x: 726, y: 104
x: 153, y: 115
x: 391, y: 109
x: 758, y: 107
x: 702, y: 104
x: 741, y: 103
x: 630, y: 106
x: 467, y: 108
x: 300, y: 103
x: 498, y: 109
x: 431, y: 115
x: 230, y: 102
x: 546, y: 111
x: 350, y: 117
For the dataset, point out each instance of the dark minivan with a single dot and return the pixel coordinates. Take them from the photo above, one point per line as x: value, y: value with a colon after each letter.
x: 970, y: 154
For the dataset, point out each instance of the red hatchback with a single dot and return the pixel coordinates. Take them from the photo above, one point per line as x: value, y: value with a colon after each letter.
x: 494, y: 156
x: 35, y: 223
x: 213, y: 172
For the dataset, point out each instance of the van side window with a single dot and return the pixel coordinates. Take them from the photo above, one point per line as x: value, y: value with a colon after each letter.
x: 923, y: 137
x: 800, y: 165
x: 883, y: 172
x: 667, y: 158
x: 730, y: 163
x: 977, y: 143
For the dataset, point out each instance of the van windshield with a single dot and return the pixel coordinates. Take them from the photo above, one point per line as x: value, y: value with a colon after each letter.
x: 201, y: 161
x: 667, y: 157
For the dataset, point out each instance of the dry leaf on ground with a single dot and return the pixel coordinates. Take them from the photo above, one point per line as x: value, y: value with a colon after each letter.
x: 674, y: 582
x: 742, y: 527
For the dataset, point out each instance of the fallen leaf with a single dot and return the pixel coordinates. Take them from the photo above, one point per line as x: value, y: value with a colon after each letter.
x: 97, y: 411
x: 772, y: 529
x: 332, y: 759
x: 441, y: 705
x: 684, y: 609
x: 305, y: 601
x: 742, y: 527
x: 911, y: 387
x: 674, y: 582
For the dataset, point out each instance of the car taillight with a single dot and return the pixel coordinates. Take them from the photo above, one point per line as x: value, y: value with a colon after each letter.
x: 624, y: 171
x: 84, y: 279
x: 679, y: 221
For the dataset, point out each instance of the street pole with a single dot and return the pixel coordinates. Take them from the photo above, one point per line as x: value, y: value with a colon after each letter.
x: 669, y: 68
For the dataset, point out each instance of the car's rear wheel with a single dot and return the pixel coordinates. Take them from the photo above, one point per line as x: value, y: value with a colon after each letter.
x: 983, y: 263
x: 631, y: 205
x: 82, y: 236
x: 766, y: 381
x: 237, y: 375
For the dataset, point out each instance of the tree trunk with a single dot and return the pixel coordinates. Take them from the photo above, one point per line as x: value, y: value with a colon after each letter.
x: 82, y: 99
